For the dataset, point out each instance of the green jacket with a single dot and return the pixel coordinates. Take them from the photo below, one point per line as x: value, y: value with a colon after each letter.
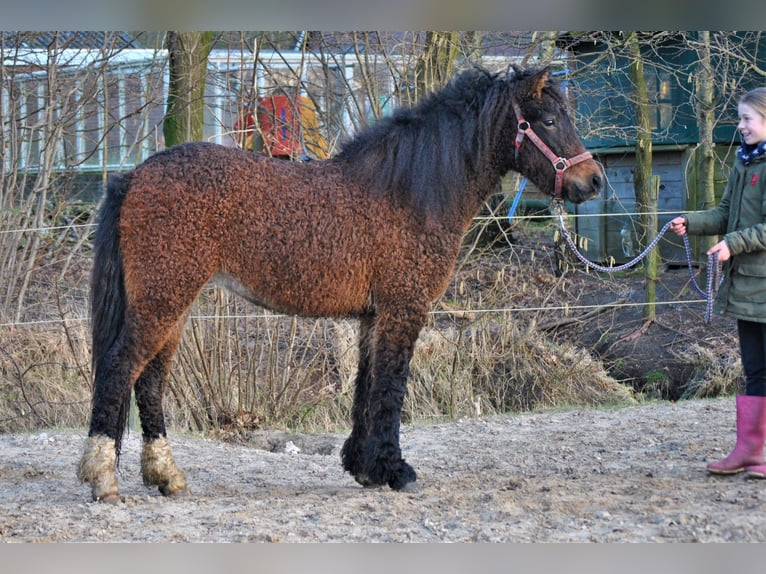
x: 741, y: 218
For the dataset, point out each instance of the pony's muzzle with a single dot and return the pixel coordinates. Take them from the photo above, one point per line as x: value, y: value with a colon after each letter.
x: 585, y: 181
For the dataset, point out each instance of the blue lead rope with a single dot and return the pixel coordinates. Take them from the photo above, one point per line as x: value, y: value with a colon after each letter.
x: 517, y: 199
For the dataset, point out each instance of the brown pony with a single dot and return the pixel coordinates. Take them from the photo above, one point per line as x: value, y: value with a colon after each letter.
x: 371, y: 233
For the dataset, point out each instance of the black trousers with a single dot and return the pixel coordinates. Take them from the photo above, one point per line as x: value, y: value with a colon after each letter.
x: 752, y: 347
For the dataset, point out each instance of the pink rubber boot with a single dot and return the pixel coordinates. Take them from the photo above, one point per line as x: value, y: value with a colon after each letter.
x: 756, y: 471
x: 751, y: 433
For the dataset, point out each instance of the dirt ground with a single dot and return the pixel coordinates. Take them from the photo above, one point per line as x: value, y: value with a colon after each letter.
x: 634, y: 474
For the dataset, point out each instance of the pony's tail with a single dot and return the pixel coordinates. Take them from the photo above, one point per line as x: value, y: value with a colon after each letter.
x: 107, y: 286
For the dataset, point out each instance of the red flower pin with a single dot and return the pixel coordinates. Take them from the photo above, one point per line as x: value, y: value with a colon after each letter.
x: 754, y: 179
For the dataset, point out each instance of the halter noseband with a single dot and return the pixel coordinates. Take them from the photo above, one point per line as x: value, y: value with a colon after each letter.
x: 560, y: 164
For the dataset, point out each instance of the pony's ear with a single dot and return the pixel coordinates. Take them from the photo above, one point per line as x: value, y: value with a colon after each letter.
x: 532, y: 86
x: 538, y: 82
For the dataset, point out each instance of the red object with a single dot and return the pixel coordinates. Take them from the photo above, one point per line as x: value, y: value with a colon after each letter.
x: 751, y: 434
x: 244, y: 134
x: 280, y: 123
x: 754, y: 179
x: 249, y: 121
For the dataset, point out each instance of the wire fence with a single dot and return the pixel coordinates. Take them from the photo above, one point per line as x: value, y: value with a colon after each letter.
x: 491, y: 345
x: 435, y: 312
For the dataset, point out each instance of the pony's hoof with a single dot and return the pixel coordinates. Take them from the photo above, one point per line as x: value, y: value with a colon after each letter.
x: 405, y: 479
x: 96, y: 467
x: 177, y: 493
x: 159, y: 469
x: 112, y: 499
x: 366, y: 482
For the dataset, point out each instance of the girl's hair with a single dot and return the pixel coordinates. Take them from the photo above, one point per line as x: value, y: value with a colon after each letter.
x: 756, y: 99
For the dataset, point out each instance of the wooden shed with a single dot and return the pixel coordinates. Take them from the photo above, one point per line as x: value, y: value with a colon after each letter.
x: 602, y: 90
x: 609, y: 223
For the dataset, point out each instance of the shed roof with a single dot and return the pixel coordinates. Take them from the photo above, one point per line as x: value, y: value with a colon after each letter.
x: 71, y: 39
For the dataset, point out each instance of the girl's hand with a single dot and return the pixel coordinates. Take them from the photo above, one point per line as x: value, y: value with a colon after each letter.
x: 722, y: 249
x: 678, y: 225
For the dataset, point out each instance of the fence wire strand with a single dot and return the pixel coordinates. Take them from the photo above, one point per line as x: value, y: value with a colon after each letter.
x: 435, y: 312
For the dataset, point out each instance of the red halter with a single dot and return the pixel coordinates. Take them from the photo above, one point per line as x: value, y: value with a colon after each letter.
x: 560, y: 164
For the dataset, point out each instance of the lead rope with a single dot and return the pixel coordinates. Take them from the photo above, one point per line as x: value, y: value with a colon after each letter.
x: 712, y: 261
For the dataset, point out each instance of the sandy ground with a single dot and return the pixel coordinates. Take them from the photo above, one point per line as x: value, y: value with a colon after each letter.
x: 634, y: 474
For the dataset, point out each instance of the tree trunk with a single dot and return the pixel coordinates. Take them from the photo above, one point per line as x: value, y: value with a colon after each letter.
x: 646, y: 195
x: 437, y: 63
x: 547, y: 46
x: 184, y: 116
x: 706, y: 122
x: 472, y: 46
x: 653, y: 257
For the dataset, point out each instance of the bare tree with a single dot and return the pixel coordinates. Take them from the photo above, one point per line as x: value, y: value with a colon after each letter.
x: 61, y: 119
x: 437, y: 62
x: 704, y: 91
x: 646, y: 191
x: 187, y: 53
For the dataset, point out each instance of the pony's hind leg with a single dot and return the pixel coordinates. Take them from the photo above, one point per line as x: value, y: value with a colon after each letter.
x: 97, y: 467
x: 143, y: 338
x: 158, y: 468
x: 115, y: 373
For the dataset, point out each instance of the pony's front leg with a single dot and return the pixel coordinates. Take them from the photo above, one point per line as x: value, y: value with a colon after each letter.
x: 352, y: 452
x: 383, y: 462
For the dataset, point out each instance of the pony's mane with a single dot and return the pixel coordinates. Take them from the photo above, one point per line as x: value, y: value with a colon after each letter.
x: 425, y: 154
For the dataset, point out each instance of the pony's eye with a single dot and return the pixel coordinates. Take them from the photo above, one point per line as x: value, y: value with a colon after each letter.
x: 548, y: 123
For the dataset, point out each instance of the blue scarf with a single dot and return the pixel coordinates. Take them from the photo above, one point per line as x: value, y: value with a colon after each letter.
x: 747, y: 153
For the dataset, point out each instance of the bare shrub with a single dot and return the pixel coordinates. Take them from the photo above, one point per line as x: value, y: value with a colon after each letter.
x: 714, y: 374
x: 44, y: 375
x: 244, y: 366
x: 490, y: 366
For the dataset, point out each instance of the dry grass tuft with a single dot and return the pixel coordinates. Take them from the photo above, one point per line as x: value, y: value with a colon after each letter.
x: 492, y: 367
x: 713, y: 374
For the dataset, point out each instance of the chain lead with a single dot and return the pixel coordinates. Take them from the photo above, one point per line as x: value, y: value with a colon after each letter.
x: 557, y: 209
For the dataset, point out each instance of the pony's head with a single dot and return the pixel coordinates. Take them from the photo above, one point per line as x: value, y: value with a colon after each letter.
x: 546, y: 147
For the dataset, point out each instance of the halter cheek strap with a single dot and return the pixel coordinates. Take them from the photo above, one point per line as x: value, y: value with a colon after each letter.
x: 560, y: 164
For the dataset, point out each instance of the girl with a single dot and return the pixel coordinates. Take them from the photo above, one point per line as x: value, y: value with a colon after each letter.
x: 741, y: 219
